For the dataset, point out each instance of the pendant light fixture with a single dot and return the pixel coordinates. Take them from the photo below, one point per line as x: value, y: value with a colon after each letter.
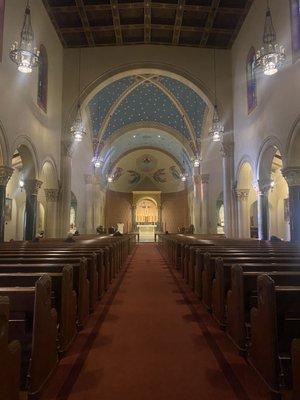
x: 184, y: 175
x: 271, y: 56
x: 77, y: 129
x: 24, y: 54
x: 217, y: 128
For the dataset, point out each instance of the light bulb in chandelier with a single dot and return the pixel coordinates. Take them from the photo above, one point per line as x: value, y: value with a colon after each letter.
x: 217, y: 129
x: 21, y: 184
x: 24, y: 54
x: 196, y: 162
x: 109, y: 179
x: 271, y: 56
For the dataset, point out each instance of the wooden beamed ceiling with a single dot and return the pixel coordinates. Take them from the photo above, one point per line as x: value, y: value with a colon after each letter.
x: 197, y: 23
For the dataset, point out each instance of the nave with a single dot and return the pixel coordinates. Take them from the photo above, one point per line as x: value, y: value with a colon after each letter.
x: 150, y: 338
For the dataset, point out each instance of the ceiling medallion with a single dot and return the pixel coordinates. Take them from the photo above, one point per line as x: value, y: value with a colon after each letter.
x: 271, y: 56
x: 24, y: 54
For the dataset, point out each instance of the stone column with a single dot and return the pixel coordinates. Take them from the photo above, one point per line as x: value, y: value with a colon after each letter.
x: 205, y: 203
x: 51, y: 212
x: 292, y: 176
x: 65, y: 193
x: 32, y: 187
x: 159, y: 217
x: 263, y: 209
x: 227, y: 151
x: 197, y: 202
x: 243, y: 213
x: 5, y: 174
x: 89, y: 207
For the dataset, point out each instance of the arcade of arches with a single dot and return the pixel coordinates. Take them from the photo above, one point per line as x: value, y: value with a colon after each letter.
x: 147, y: 162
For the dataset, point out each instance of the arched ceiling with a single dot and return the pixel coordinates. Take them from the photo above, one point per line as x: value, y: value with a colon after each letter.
x: 147, y: 98
x: 149, y: 138
x: 146, y: 169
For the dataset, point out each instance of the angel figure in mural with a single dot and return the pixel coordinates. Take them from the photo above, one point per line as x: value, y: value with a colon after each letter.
x: 117, y: 173
x: 160, y: 176
x: 175, y: 173
x: 135, y: 177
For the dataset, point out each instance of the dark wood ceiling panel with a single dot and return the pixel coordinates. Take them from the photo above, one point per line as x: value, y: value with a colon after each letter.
x: 198, y: 23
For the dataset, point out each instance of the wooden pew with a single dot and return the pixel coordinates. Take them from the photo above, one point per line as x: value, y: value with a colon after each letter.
x: 242, y: 296
x: 10, y: 357
x: 39, y: 325
x: 65, y: 299
x: 296, y: 369
x: 80, y: 281
x: 274, y: 324
x: 222, y: 280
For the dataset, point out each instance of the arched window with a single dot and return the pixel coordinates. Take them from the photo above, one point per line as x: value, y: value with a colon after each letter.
x: 251, y: 81
x: 2, y: 7
x: 295, y: 16
x: 43, y: 79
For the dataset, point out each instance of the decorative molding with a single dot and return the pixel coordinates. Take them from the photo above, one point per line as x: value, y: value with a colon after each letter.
x: 51, y: 195
x: 205, y: 178
x: 32, y: 186
x: 5, y: 174
x: 242, y: 194
x: 292, y: 175
x: 227, y: 150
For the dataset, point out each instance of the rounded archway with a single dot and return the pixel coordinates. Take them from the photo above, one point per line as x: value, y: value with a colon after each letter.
x: 246, y: 200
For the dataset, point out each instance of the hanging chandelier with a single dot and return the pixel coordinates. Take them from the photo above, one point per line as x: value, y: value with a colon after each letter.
x: 271, y: 56
x: 196, y: 162
x: 24, y: 54
x: 77, y: 129
x: 217, y: 129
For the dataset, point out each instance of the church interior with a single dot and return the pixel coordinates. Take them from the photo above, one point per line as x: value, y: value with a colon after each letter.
x: 149, y: 199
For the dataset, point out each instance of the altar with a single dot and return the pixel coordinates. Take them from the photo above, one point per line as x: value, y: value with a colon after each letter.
x: 146, y: 232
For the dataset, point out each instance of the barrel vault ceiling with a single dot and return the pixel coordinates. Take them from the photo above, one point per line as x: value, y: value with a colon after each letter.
x: 197, y: 23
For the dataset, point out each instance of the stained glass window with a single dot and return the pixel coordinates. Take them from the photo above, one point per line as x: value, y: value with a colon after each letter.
x: 43, y: 79
x: 295, y: 19
x: 2, y: 7
x: 251, y: 81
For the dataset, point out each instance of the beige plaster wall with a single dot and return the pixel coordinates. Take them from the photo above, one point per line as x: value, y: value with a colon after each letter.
x: 278, y: 95
x: 20, y: 116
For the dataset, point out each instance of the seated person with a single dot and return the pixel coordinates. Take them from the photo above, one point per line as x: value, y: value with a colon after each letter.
x: 100, y: 230
x: 275, y: 239
x: 69, y: 238
x: 111, y: 230
x: 41, y: 235
x: 76, y: 233
x: 117, y: 233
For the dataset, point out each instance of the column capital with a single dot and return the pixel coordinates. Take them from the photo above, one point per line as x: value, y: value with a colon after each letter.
x: 242, y: 194
x: 32, y: 186
x: 263, y: 186
x: 205, y: 178
x: 292, y: 175
x: 5, y: 174
x: 51, y: 195
x: 227, y: 149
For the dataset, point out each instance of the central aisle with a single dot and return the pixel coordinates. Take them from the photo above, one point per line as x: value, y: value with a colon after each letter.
x: 152, y: 341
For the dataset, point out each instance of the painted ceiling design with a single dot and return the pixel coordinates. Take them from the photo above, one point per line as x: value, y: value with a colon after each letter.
x: 146, y: 170
x: 145, y: 138
x: 151, y: 99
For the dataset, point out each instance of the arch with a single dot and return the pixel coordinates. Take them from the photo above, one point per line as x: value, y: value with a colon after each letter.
x: 42, y: 91
x: 4, y: 149
x: 28, y: 155
x: 265, y: 158
x: 293, y: 145
x: 49, y: 174
x: 245, y: 175
x: 147, y: 198
x: 244, y: 160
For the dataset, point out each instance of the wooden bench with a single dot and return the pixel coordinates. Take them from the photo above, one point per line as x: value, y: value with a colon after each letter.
x: 10, y: 357
x: 274, y: 324
x: 33, y: 322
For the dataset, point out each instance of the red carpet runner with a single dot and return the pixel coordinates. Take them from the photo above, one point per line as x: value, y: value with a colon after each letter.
x: 151, y: 339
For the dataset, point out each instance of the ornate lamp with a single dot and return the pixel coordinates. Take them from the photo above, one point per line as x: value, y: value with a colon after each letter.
x: 77, y: 130
x: 217, y: 129
x: 24, y: 54
x: 271, y: 56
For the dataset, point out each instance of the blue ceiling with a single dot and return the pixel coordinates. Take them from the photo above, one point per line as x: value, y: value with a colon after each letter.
x: 147, y: 102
